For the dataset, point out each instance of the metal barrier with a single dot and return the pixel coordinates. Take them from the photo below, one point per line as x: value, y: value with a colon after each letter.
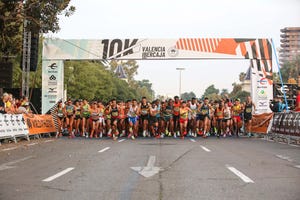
x: 13, y: 126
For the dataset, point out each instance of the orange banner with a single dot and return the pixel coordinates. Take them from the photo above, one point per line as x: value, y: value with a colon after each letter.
x: 261, y: 122
x: 38, y: 124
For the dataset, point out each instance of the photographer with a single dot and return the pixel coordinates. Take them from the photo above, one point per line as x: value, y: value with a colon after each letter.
x: 276, y: 105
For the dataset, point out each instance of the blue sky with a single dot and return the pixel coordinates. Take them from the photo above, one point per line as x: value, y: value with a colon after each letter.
x: 176, y: 18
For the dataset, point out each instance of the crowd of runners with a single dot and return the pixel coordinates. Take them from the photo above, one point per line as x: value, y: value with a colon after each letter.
x: 170, y: 118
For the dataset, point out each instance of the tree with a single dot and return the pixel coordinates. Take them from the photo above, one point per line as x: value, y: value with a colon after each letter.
x: 41, y: 15
x: 210, y: 90
x: 289, y: 70
x: 224, y: 92
x: 237, y: 92
x: 188, y: 96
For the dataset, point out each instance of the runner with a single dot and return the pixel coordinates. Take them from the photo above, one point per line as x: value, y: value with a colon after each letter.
x: 60, y: 115
x: 70, y: 111
x: 77, y: 118
x: 203, y: 118
x: 227, y: 121
x: 249, y: 106
x: 115, y: 116
x: 183, y: 120
x: 176, y: 108
x: 153, y: 121
x: 85, y: 112
x: 144, y: 116
x: 107, y: 117
x: 133, y: 119
x: 219, y: 117
x: 192, y: 117
x: 237, y: 120
x: 94, y: 118
x: 101, y: 119
x: 158, y: 116
x: 122, y: 117
x: 167, y: 110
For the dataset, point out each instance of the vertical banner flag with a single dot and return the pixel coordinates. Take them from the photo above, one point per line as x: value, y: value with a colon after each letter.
x: 53, y: 83
x: 261, y: 85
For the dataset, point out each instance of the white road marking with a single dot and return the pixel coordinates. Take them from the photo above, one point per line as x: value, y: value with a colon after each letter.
x: 242, y: 176
x: 298, y: 166
x: 205, y: 149
x: 8, y: 164
x: 105, y: 149
x: 149, y: 170
x: 32, y: 144
x: 192, y: 140
x: 122, y: 140
x: 294, y: 145
x: 59, y: 174
x: 284, y: 158
x: 48, y: 141
x: 11, y: 148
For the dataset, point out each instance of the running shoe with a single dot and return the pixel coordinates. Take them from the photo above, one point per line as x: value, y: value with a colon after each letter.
x: 144, y: 133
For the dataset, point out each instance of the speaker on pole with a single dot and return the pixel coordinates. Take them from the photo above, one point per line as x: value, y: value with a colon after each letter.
x: 6, y: 74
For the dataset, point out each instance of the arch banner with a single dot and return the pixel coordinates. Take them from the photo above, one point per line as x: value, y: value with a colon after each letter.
x: 258, y: 51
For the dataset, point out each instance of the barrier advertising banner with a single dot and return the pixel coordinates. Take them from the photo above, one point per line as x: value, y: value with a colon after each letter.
x: 12, y: 125
x: 38, y: 124
x: 260, y: 122
x: 286, y: 123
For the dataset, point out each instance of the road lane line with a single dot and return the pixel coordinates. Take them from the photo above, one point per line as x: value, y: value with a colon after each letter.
x: 59, y: 174
x: 105, y: 149
x: 192, y: 140
x: 8, y: 165
x: 32, y: 144
x: 284, y: 158
x: 205, y: 149
x: 48, y: 141
x: 297, y: 166
x: 294, y: 145
x: 242, y: 176
x: 11, y: 148
x: 122, y: 140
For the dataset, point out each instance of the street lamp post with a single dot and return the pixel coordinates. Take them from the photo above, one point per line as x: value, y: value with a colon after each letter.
x: 180, y: 70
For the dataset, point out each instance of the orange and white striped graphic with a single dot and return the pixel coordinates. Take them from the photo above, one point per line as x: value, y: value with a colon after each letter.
x: 247, y: 48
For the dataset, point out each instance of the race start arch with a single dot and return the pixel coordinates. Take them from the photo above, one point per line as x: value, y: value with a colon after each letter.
x: 258, y: 51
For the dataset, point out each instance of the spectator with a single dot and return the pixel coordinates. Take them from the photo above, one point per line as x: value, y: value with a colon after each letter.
x: 297, y: 106
x: 24, y: 109
x: 3, y: 103
x: 277, y: 106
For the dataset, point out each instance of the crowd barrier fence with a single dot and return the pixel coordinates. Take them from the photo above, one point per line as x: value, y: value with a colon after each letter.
x: 13, y: 126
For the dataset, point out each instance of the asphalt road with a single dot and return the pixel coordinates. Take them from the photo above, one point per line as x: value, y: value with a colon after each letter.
x: 171, y: 169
